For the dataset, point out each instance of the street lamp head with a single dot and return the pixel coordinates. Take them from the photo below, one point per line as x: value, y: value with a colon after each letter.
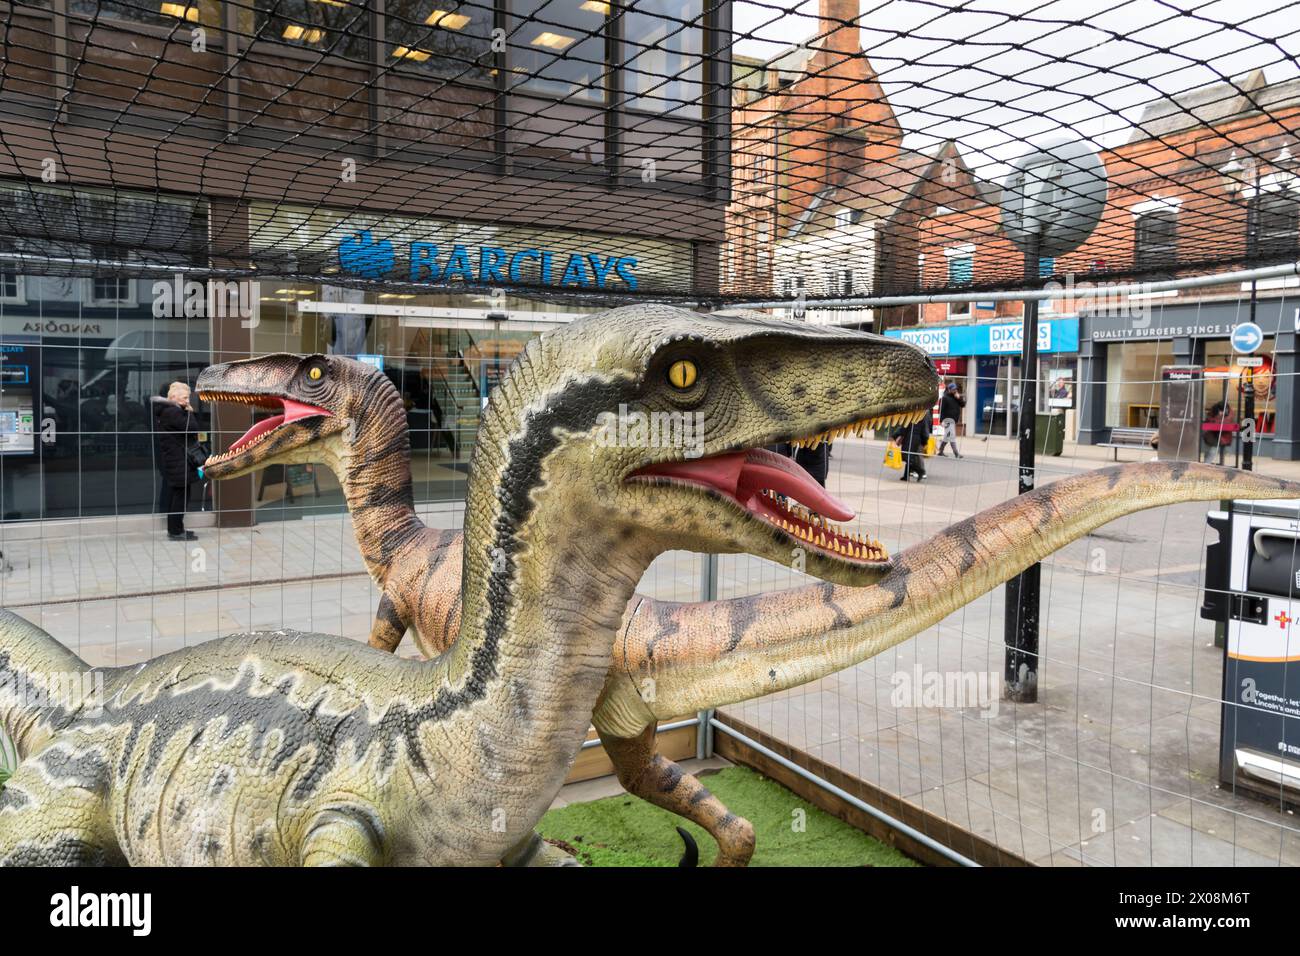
x: 1054, y: 197
x: 1237, y: 174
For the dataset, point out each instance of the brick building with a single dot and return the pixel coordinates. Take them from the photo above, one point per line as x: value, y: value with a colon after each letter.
x: 1196, y: 170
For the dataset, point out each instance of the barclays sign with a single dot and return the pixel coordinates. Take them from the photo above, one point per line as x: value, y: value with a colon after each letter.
x: 363, y: 255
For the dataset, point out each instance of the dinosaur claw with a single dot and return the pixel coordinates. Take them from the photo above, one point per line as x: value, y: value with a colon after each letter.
x: 691, y: 858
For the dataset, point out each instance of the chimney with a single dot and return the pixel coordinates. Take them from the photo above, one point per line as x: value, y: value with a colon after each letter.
x: 837, y: 37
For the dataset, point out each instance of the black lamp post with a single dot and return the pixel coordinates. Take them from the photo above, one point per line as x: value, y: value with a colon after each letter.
x: 1051, y: 202
x: 1238, y: 178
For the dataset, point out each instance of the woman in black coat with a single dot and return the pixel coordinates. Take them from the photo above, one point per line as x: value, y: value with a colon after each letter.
x: 177, y: 430
x: 912, y: 440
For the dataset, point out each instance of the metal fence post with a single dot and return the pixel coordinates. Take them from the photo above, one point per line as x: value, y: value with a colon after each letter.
x: 708, y: 592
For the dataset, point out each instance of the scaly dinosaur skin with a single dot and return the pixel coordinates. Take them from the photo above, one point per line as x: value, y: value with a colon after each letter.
x: 707, y: 654
x: 417, y: 568
x: 286, y: 748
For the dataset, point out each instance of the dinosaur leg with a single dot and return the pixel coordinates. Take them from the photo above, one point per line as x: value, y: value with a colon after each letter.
x: 342, y: 836
x: 646, y: 774
x: 53, y: 812
x: 389, y: 627
x: 532, y: 850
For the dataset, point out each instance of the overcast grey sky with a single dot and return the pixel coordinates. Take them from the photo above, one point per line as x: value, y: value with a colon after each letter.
x: 951, y: 70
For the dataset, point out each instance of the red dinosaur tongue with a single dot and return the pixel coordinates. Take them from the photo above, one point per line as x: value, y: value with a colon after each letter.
x: 292, y: 412
x: 745, y: 474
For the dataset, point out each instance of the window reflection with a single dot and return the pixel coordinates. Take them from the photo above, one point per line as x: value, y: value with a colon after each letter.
x: 662, y: 47
x: 76, y: 424
x: 558, y: 47
x: 444, y: 37
x: 326, y: 26
x: 161, y: 12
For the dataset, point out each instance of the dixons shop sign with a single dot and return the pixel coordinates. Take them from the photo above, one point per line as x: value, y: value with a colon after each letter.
x: 1010, y: 338
x: 933, y: 341
x: 1054, y: 335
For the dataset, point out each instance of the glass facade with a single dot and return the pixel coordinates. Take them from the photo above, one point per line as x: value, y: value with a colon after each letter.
x: 557, y: 47
x: 663, y: 46
x: 76, y: 430
x: 1133, y: 383
x: 442, y: 37
x: 340, y: 27
x: 76, y: 433
x: 443, y: 374
x: 205, y: 13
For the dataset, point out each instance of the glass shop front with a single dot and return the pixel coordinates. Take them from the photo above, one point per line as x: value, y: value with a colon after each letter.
x: 81, y: 356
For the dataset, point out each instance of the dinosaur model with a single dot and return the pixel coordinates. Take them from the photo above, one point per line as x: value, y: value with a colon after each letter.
x: 702, y: 655
x: 285, y: 748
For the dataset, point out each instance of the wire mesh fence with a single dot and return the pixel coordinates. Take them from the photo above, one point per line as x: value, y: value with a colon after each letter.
x: 427, y: 186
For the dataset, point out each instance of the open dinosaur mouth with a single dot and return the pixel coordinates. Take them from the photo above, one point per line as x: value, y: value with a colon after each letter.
x: 289, y: 410
x: 778, y: 491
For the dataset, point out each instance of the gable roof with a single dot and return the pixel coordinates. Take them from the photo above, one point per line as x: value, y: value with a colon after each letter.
x: 1208, y: 105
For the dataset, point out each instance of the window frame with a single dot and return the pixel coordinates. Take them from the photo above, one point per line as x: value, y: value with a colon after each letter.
x: 20, y: 288
x: 93, y: 302
x: 1166, y: 253
x: 964, y: 252
x: 1284, y: 243
x: 406, y: 67
x: 686, y: 111
x: 515, y: 47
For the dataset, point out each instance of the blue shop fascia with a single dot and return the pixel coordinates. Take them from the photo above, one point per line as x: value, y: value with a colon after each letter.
x: 984, y: 358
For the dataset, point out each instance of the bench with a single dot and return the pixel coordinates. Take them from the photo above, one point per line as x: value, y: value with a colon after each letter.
x: 1129, y: 438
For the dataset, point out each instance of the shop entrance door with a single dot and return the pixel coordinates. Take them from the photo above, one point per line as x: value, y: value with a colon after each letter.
x: 997, y: 389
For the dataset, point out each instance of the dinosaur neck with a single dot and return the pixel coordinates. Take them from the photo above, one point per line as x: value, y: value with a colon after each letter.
x: 373, y: 464
x: 543, y: 593
x: 771, y: 642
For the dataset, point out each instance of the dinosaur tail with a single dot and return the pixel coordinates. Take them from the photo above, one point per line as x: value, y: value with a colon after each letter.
x: 42, y: 683
x: 719, y: 652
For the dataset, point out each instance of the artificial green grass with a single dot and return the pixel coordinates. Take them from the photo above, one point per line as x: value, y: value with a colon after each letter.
x: 627, y: 831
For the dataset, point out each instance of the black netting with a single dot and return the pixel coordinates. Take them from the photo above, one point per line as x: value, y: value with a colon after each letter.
x: 680, y: 149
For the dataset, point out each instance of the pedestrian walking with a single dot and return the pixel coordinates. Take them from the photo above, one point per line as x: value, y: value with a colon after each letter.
x: 950, y: 406
x: 912, y: 440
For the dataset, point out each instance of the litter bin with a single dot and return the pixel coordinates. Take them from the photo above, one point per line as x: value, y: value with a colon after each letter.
x: 1049, y: 430
x: 1252, y: 592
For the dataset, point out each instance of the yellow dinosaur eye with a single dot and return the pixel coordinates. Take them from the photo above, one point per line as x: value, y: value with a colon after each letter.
x: 315, y: 373
x: 682, y: 373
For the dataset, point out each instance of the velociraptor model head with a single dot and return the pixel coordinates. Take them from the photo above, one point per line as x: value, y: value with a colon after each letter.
x: 317, y: 401
x: 659, y: 418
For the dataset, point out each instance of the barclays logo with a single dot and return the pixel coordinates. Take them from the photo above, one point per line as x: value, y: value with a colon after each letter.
x: 364, y: 255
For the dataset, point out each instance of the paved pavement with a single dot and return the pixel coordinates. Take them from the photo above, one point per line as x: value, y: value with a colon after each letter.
x: 1115, y: 765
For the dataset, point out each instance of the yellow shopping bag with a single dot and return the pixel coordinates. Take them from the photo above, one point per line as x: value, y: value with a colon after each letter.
x: 929, y: 445
x: 893, y: 456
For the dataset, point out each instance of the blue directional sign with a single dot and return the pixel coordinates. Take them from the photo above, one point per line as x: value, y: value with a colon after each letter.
x: 1246, y: 337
